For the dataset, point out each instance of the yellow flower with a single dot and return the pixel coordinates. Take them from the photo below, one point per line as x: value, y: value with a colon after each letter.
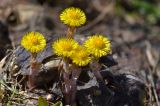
x: 33, y: 42
x: 98, y: 45
x: 73, y: 17
x: 64, y: 47
x: 80, y: 56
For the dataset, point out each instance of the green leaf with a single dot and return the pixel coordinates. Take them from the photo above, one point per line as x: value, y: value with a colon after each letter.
x: 59, y: 103
x: 42, y: 102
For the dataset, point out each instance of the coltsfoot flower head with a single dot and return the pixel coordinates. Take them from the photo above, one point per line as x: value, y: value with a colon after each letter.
x: 33, y: 42
x: 72, y: 16
x: 64, y: 47
x: 80, y: 56
x: 98, y: 45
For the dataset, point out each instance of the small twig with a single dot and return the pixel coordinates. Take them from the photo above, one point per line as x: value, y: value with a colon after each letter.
x: 100, y: 17
x: 153, y: 63
x: 156, y: 65
x: 150, y: 78
x: 17, y: 104
x: 22, y: 79
x: 97, y: 5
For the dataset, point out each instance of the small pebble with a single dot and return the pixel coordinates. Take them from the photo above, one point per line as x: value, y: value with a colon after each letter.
x: 49, y: 97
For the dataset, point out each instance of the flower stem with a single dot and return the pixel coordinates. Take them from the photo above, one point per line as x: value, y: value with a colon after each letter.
x: 66, y: 87
x: 34, y: 67
x: 76, y: 71
x: 96, y: 67
x: 70, y: 32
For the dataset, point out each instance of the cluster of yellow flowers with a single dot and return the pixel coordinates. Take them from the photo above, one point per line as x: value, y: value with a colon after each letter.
x: 96, y: 46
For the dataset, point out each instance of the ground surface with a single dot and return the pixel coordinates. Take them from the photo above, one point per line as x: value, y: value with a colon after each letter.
x: 135, y: 45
